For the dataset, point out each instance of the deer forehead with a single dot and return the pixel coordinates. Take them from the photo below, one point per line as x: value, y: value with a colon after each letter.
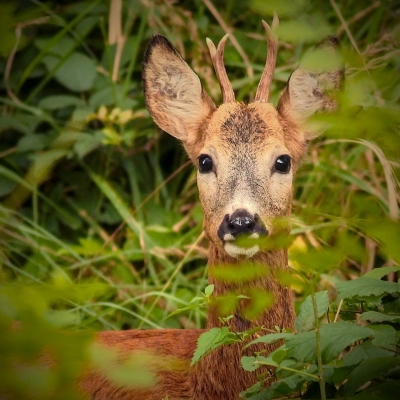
x: 238, y: 130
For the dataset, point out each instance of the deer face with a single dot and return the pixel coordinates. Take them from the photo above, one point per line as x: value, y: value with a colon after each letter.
x: 245, y: 174
x: 246, y: 155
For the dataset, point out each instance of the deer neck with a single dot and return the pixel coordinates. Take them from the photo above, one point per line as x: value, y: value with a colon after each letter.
x: 264, y: 285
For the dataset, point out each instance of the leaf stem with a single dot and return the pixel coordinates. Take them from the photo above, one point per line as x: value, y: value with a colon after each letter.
x: 296, y: 371
x: 318, y: 342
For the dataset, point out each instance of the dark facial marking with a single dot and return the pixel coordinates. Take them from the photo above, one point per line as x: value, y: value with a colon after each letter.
x: 243, y: 126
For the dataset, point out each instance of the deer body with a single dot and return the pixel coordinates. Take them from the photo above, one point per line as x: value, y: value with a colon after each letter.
x: 247, y: 156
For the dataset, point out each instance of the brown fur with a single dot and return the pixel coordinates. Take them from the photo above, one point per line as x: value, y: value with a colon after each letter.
x: 244, y: 142
x: 218, y: 375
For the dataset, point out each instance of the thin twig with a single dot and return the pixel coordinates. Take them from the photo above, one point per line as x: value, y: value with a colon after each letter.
x: 10, y: 60
x: 351, y: 38
x: 115, y: 35
x: 338, y: 311
x: 359, y: 15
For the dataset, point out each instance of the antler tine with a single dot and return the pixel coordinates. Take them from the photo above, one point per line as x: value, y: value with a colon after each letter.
x: 268, y: 73
x: 217, y: 57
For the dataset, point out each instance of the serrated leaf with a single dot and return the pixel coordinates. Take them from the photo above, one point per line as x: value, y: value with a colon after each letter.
x: 248, y: 363
x: 368, y: 370
x: 384, y: 335
x: 379, y: 273
x: 306, y: 319
x: 209, y: 341
x: 365, y: 287
x: 334, y: 339
x: 375, y: 316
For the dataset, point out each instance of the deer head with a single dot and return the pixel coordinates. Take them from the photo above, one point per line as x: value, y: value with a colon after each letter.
x: 246, y: 154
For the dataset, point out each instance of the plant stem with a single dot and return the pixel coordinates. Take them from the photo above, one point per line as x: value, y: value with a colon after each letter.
x: 296, y: 371
x: 318, y: 339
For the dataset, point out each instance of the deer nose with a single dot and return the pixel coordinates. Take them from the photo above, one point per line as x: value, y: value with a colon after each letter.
x: 241, y: 222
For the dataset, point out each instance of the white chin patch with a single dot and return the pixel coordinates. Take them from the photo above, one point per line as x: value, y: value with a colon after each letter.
x: 236, y: 251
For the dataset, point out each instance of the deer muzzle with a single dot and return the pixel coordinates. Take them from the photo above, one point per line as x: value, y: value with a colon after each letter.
x: 241, y: 224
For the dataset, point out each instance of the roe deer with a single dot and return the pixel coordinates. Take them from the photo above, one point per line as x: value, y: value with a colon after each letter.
x: 247, y: 156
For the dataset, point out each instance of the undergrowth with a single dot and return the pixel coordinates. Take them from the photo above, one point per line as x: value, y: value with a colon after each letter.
x: 100, y: 225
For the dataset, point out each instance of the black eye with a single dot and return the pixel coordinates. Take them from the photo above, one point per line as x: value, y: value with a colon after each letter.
x: 205, y: 163
x: 282, y: 164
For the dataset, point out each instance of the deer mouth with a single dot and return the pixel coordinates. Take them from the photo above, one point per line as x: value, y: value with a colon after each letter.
x: 236, y: 250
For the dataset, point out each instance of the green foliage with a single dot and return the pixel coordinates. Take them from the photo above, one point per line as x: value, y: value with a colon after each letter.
x: 100, y: 225
x: 351, y: 355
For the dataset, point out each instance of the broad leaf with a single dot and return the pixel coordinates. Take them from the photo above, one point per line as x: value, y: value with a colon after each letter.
x: 384, y: 391
x: 375, y: 316
x: 368, y: 370
x: 248, y: 363
x: 334, y: 339
x: 365, y: 287
x: 379, y: 273
x: 306, y: 319
x: 77, y: 73
x: 355, y: 356
x: 384, y: 335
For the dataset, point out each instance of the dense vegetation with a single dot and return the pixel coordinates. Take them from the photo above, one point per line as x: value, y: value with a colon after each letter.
x: 100, y: 224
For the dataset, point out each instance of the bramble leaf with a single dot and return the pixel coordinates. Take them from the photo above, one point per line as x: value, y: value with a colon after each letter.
x: 365, y: 287
x: 368, y: 370
x: 334, y: 339
x: 375, y: 316
x: 379, y: 273
x: 305, y: 319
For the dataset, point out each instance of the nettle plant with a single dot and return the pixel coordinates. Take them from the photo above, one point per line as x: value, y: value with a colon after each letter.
x: 348, y: 348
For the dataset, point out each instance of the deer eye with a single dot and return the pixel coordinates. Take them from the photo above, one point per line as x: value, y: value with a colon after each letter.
x: 205, y: 163
x: 282, y: 164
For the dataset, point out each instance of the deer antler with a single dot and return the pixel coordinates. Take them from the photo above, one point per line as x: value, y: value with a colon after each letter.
x: 217, y: 57
x: 266, y: 77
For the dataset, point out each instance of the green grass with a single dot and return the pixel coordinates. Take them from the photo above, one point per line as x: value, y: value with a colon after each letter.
x: 100, y: 224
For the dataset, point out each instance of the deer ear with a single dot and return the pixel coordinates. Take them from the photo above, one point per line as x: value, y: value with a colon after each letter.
x: 314, y: 86
x: 174, y: 95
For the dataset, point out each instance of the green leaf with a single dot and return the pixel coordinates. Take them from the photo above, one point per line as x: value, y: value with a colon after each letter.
x: 375, y: 316
x: 183, y: 309
x: 208, y: 291
x: 368, y: 370
x: 383, y: 391
x: 384, y: 335
x: 248, y: 363
x: 271, y: 338
x: 209, y: 341
x: 365, y: 287
x: 87, y: 142
x: 305, y: 319
x: 77, y: 73
x: 334, y: 339
x: 355, y: 356
x: 379, y: 273
x: 33, y: 142
x: 60, y: 101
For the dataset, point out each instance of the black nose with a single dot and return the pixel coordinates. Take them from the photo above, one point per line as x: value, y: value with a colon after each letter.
x: 241, y: 223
